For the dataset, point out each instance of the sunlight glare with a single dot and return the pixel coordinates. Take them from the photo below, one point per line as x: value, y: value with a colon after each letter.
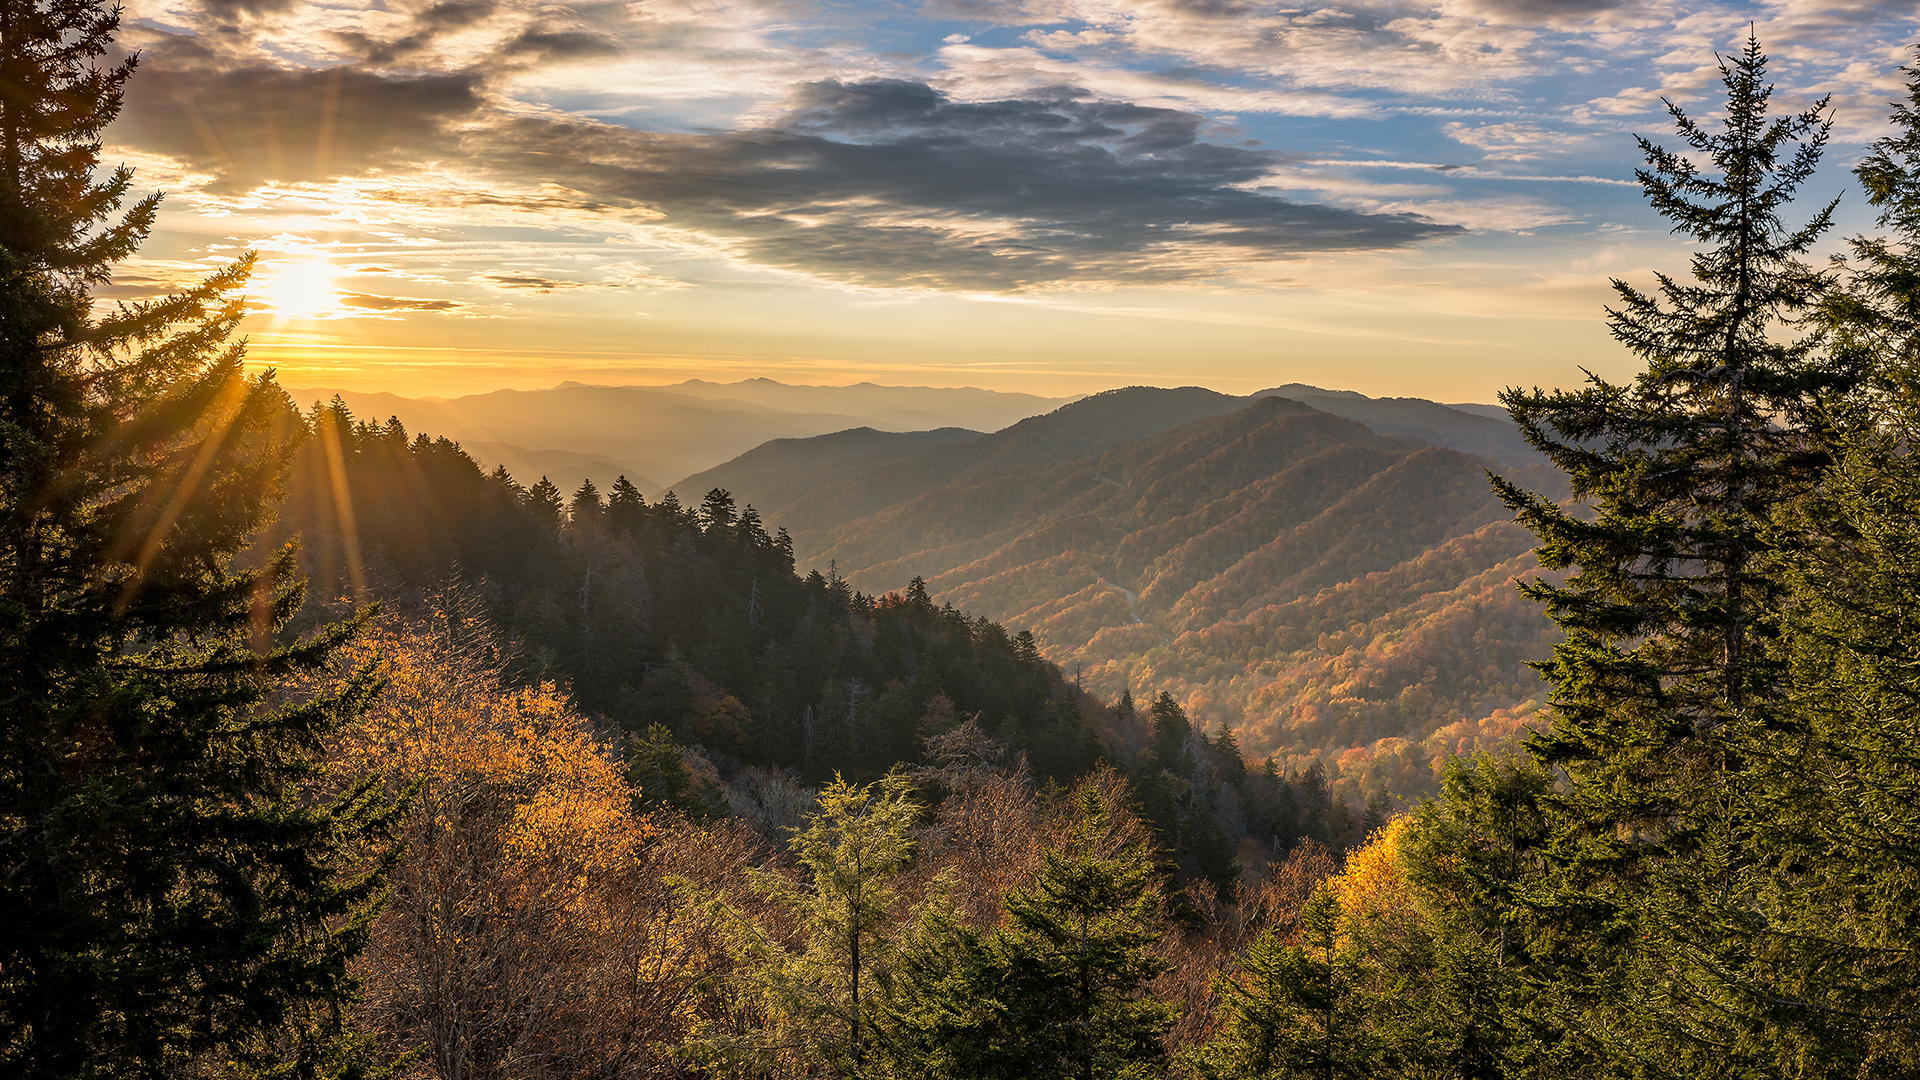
x: 300, y: 290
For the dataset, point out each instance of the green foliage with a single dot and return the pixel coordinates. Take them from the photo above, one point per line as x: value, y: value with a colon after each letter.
x: 176, y: 897
x: 819, y: 1001
x: 1823, y: 981
x: 1666, y: 687
x: 1481, y: 1005
x: 1302, y: 1009
x: 1060, y: 990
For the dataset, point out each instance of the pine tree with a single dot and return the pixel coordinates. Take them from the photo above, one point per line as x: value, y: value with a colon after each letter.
x: 171, y: 901
x: 546, y: 502
x: 716, y: 513
x: 626, y: 507
x: 586, y: 509
x: 1824, y: 987
x: 1061, y: 990
x: 1876, y: 318
x: 1665, y: 683
x: 1683, y: 466
x: 1828, y: 988
x: 1171, y: 734
x: 820, y: 1002
x: 1472, y: 855
x: 1301, y: 1010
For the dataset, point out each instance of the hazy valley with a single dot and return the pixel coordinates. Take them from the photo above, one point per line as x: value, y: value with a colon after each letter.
x: 1328, y: 574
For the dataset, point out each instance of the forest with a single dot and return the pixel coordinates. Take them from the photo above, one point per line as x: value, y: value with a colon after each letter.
x: 326, y: 753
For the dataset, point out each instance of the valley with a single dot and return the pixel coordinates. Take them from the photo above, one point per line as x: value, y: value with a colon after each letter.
x: 1332, y: 593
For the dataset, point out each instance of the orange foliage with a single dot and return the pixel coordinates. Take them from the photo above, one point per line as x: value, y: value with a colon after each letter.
x: 533, y: 930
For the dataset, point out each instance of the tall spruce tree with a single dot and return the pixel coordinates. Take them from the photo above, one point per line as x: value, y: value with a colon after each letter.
x: 1875, y: 319
x: 171, y: 902
x: 1830, y: 982
x: 1828, y: 987
x: 1663, y: 686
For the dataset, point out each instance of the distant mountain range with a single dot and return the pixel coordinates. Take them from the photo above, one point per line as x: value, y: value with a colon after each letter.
x: 1327, y: 573
x: 574, y: 431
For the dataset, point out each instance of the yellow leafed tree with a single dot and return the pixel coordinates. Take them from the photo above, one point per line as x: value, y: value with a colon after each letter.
x: 533, y: 930
x: 1372, y: 887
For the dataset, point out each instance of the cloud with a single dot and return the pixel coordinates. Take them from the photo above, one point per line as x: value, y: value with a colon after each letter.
x: 533, y: 283
x: 881, y: 183
x: 560, y: 45
x: 252, y: 125
x: 230, y: 11
x: 1519, y: 141
x: 890, y: 183
x: 1557, y: 13
x: 369, y: 302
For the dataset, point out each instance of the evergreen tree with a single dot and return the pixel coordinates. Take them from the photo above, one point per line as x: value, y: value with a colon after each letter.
x: 546, y: 502
x: 1683, y: 467
x: 716, y: 513
x: 1171, y: 733
x: 1301, y: 1011
x: 172, y: 902
x: 820, y: 1002
x: 1482, y: 1000
x: 1059, y: 991
x: 1666, y: 671
x: 626, y: 507
x: 1875, y: 320
x: 586, y: 509
x: 1827, y: 987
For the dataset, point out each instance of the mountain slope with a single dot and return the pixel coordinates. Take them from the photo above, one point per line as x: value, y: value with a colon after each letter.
x: 1333, y: 593
x: 759, y: 476
x: 1083, y: 427
x: 813, y: 502
x: 1477, y: 429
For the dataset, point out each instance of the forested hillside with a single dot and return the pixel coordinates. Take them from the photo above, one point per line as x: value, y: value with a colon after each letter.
x: 689, y: 637
x: 1333, y: 594
x: 825, y: 486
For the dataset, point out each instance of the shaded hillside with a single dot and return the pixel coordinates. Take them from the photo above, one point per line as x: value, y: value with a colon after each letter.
x: 689, y: 639
x: 828, y: 497
x: 841, y: 488
x: 1333, y: 593
x: 1477, y: 429
x: 761, y: 474
x: 688, y: 618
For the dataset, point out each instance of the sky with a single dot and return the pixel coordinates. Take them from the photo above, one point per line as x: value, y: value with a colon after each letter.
x: 1054, y: 196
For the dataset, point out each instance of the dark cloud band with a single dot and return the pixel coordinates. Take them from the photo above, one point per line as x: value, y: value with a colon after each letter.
x: 883, y: 183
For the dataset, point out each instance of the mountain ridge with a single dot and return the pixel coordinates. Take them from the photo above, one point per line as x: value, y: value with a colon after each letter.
x: 1334, y: 593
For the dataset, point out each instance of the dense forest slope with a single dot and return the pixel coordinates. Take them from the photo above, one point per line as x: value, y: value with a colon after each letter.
x: 826, y: 486
x: 758, y: 476
x: 1331, y: 592
x: 685, y: 633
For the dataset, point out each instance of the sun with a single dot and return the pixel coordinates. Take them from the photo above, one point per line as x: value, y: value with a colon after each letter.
x: 301, y: 290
